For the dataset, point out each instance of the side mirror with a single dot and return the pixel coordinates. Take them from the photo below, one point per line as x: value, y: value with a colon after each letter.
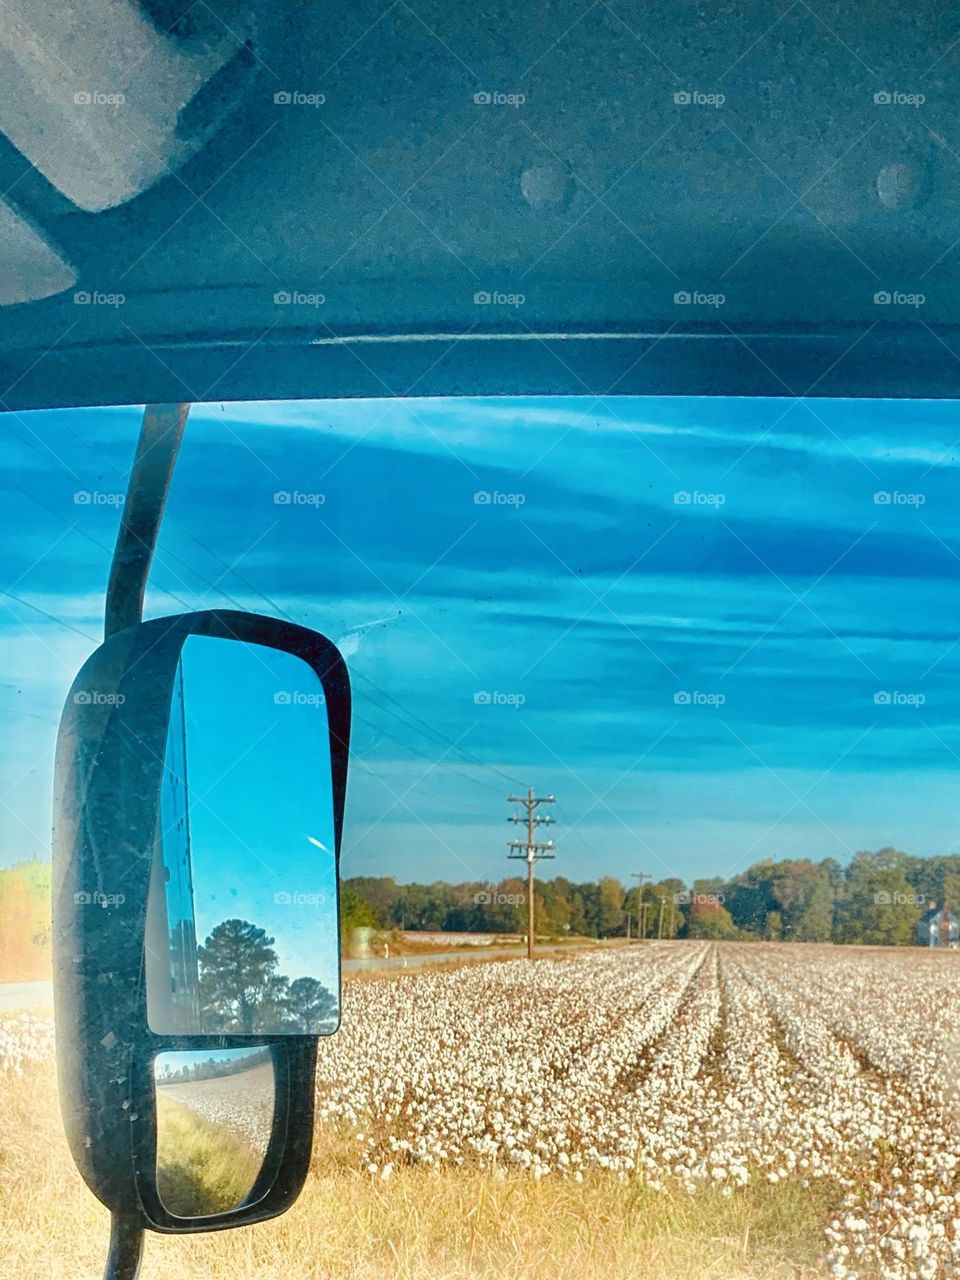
x: 199, y: 791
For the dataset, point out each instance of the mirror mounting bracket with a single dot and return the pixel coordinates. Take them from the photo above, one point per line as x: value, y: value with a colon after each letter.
x: 157, y: 448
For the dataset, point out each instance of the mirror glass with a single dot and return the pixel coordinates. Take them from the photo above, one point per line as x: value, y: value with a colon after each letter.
x: 214, y: 1117
x: 241, y: 931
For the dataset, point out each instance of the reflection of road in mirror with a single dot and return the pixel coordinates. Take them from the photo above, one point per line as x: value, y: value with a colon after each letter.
x: 214, y: 1117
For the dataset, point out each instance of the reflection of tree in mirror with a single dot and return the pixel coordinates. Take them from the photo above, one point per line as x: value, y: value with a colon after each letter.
x: 310, y: 1005
x: 241, y: 991
x: 212, y: 1068
x: 237, y: 969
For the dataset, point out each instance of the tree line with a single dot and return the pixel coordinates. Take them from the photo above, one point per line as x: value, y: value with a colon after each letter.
x: 213, y: 1068
x: 877, y: 898
x: 25, y: 891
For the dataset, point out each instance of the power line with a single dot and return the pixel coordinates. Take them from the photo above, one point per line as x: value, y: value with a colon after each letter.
x: 572, y: 830
x: 467, y: 756
x: 432, y: 760
x: 108, y: 551
x: 407, y: 717
x: 640, y: 876
x: 403, y: 714
x: 49, y: 616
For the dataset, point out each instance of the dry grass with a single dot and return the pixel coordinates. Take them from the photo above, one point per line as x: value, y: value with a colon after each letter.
x: 419, y: 1225
x: 201, y: 1167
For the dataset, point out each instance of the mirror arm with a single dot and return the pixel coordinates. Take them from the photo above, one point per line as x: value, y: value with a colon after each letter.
x: 126, y: 1248
x: 156, y: 457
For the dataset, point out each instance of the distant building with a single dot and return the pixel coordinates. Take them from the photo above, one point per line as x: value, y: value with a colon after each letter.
x: 939, y: 927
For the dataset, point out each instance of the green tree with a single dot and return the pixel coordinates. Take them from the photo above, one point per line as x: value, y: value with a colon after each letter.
x: 355, y: 912
x: 935, y: 879
x: 380, y: 894
x: 773, y: 927
x: 880, y: 907
x: 237, y: 975
x: 750, y: 898
x: 950, y: 893
x: 311, y: 1006
x: 611, y: 905
x: 589, y: 894
x: 556, y: 910
x: 578, y: 915
x: 805, y: 899
x: 708, y: 918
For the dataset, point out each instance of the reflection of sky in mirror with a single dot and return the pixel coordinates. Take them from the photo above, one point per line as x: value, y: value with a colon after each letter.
x: 174, y: 1060
x: 259, y: 785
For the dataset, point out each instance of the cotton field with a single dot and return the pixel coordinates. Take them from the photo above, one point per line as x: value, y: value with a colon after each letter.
x: 680, y: 1063
x: 24, y: 1041
x: 241, y: 1103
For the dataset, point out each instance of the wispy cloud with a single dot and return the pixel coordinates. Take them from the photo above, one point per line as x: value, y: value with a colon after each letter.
x: 687, y: 607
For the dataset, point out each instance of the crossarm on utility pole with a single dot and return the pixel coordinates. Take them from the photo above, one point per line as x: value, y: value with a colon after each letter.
x: 531, y: 850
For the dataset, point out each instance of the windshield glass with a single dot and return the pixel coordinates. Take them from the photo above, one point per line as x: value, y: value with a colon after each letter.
x: 688, y: 670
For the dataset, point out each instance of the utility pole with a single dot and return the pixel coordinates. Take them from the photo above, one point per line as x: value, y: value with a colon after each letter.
x: 640, y: 876
x: 663, y: 903
x: 531, y: 850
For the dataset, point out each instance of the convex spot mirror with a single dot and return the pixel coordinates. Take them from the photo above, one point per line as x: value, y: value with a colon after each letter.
x: 200, y: 778
x: 214, y: 1120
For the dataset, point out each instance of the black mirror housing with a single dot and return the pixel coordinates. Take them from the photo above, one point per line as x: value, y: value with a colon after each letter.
x: 107, y: 794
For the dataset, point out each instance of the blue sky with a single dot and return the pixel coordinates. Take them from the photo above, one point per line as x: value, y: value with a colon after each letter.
x: 261, y: 811
x: 584, y: 600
